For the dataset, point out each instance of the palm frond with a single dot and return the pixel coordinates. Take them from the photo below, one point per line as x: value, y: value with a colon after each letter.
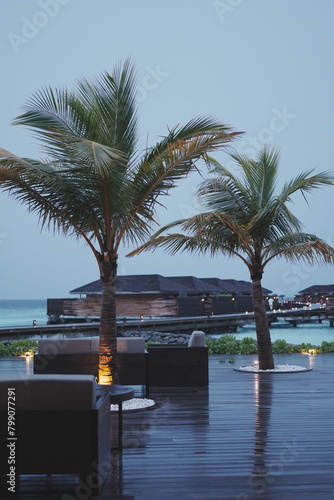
x: 224, y: 194
x: 170, y: 160
x: 305, y: 182
x: 176, y: 242
x: 59, y: 200
x: 93, y: 181
x: 113, y: 98
x: 247, y: 218
x: 95, y: 125
x: 300, y: 247
x: 206, y: 232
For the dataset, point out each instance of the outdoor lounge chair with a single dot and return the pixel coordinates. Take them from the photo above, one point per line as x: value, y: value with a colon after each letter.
x: 60, y: 426
x: 80, y: 356
x: 179, y: 366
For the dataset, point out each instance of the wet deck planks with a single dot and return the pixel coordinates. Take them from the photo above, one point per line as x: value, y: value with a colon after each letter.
x: 267, y: 436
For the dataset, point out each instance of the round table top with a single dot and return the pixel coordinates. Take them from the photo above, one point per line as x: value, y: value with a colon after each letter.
x: 118, y: 393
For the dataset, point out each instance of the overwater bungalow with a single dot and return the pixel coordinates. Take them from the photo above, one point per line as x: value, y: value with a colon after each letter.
x: 153, y: 295
x: 323, y: 294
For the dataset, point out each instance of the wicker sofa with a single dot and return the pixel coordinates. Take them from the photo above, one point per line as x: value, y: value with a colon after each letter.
x: 179, y: 366
x: 80, y: 356
x: 161, y: 366
x: 61, y: 427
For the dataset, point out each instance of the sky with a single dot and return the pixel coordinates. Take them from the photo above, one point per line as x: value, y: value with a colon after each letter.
x: 263, y: 67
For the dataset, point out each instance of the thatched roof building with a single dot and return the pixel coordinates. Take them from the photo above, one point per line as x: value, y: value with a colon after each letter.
x: 315, y: 293
x: 174, y: 285
x: 153, y: 295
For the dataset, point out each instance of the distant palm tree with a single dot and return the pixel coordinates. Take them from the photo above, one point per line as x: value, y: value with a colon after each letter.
x: 97, y: 183
x: 249, y: 218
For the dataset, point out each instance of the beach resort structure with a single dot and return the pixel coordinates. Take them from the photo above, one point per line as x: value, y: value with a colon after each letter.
x: 323, y: 294
x: 153, y: 295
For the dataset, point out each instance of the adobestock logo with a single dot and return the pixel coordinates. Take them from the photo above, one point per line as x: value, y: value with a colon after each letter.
x: 251, y: 145
x: 151, y: 81
x: 277, y: 123
x: 296, y: 275
x: 223, y: 7
x: 31, y: 26
x: 266, y: 475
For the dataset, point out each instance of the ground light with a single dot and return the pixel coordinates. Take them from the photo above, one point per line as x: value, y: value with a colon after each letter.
x: 278, y: 369
x: 134, y: 404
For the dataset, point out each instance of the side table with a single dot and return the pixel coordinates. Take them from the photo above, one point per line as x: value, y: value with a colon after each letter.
x: 117, y: 394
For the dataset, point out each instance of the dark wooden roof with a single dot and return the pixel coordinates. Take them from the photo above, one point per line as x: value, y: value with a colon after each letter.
x: 318, y: 289
x: 232, y: 286
x: 155, y: 283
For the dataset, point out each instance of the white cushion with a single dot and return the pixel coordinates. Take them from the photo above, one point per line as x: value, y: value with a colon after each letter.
x: 95, y: 344
x: 49, y: 391
x: 197, y: 339
x: 130, y: 344
x: 124, y: 344
x: 54, y: 346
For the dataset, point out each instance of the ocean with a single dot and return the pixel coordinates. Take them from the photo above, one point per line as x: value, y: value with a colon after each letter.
x: 22, y: 312
x: 313, y: 333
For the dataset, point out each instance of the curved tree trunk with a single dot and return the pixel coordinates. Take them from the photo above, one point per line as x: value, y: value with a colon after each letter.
x: 265, y: 353
x: 107, y: 371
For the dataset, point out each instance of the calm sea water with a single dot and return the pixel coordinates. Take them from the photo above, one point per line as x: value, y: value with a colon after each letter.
x: 313, y: 333
x: 22, y: 312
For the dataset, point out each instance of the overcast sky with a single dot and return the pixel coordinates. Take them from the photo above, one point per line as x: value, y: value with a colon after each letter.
x: 264, y: 67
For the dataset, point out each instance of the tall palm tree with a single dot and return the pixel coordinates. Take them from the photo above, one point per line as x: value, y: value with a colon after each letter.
x: 97, y: 183
x: 249, y: 218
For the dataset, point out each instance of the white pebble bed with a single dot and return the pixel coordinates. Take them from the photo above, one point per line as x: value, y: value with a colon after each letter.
x: 134, y: 404
x: 278, y: 369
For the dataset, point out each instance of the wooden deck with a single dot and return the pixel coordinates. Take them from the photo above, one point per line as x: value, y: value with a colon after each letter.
x: 247, y: 437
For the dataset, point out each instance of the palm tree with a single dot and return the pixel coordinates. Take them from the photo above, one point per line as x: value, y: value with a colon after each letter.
x: 97, y: 183
x: 249, y: 218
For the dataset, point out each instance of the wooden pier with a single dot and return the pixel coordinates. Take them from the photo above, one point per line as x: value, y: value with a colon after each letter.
x: 225, y: 323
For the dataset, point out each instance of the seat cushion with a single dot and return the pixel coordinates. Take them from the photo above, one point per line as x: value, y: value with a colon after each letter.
x: 54, y: 346
x: 197, y: 339
x: 49, y: 391
x: 95, y: 344
x: 124, y: 344
x: 130, y: 344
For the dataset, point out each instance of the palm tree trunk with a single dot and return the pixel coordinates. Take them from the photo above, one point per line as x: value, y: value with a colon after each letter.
x: 264, y: 347
x: 107, y: 370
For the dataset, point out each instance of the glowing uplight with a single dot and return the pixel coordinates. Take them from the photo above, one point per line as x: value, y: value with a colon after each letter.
x: 105, y: 380
x: 27, y: 354
x: 28, y: 360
